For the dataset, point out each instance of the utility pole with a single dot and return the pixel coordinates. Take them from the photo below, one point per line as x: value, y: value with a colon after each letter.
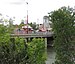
x: 27, y: 17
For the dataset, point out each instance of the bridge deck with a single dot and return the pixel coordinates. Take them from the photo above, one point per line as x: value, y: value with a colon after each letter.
x: 33, y: 35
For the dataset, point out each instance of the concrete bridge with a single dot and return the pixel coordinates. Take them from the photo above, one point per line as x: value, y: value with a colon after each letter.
x: 47, y: 35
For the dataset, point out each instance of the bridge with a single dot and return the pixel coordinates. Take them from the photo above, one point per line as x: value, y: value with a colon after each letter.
x: 33, y: 35
x: 48, y: 36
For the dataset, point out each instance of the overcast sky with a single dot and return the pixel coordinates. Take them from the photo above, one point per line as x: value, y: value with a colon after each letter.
x: 36, y: 8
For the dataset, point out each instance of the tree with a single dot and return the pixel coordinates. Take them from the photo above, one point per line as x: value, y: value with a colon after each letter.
x: 21, y: 24
x: 16, y: 50
x: 64, y: 30
x: 34, y: 25
x: 12, y: 50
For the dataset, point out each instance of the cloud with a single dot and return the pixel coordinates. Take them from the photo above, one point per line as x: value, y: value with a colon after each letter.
x: 16, y: 3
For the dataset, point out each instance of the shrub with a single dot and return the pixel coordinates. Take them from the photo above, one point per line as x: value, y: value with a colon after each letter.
x: 17, y: 51
x: 12, y: 50
x: 36, y: 51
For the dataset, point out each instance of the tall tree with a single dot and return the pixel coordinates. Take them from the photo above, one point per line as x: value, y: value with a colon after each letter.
x: 64, y: 30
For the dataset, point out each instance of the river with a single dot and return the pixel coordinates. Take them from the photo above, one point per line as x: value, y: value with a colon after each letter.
x: 50, y: 55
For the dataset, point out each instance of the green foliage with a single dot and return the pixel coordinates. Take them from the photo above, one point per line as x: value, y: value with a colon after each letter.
x: 21, y: 24
x: 12, y: 51
x: 36, y: 51
x: 34, y: 25
x: 64, y: 30
x: 17, y: 51
x: 4, y: 35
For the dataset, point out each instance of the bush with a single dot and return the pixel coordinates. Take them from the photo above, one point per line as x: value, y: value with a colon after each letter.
x: 12, y: 50
x: 36, y: 51
x: 17, y: 51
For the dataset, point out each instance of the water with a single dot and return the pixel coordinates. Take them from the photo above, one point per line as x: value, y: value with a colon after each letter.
x: 50, y: 55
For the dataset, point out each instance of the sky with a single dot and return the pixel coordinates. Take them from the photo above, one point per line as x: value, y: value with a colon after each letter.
x: 36, y: 9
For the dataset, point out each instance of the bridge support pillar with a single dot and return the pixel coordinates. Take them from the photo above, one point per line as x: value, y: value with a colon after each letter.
x: 45, y: 42
x: 46, y: 45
